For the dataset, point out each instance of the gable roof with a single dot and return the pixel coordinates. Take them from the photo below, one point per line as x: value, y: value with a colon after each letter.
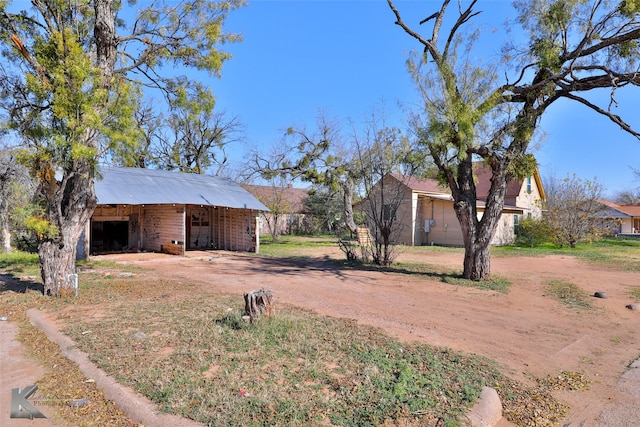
x: 483, y: 174
x: 268, y: 194
x: 621, y: 211
x: 425, y: 185
x: 138, y: 186
x: 481, y: 171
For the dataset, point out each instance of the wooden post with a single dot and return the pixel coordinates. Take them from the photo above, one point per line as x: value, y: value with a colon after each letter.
x: 258, y: 303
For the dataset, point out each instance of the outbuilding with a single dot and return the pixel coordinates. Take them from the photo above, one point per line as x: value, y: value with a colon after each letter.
x: 173, y: 212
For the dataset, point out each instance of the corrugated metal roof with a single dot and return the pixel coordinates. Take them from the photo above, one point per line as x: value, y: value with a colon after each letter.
x: 137, y: 186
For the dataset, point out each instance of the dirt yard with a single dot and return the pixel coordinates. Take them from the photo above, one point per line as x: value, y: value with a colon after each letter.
x: 529, y: 333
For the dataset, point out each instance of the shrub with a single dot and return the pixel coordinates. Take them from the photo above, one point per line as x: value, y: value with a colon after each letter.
x: 533, y: 231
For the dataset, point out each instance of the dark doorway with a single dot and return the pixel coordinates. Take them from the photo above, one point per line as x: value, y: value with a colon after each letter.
x: 109, y: 236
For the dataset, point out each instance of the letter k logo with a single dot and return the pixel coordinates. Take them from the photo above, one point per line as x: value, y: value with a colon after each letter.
x: 21, y: 407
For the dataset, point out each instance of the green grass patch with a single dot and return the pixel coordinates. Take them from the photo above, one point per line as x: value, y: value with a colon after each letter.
x: 294, y: 246
x: 493, y: 283
x: 199, y: 359
x: 568, y: 294
x: 19, y: 262
x: 615, y: 253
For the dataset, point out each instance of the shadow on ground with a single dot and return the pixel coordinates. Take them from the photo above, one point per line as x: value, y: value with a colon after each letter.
x: 11, y: 283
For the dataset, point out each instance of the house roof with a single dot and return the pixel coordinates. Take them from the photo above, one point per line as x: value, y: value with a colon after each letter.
x: 425, y: 185
x: 269, y: 194
x: 138, y: 186
x: 622, y: 211
x: 433, y: 189
x: 483, y: 174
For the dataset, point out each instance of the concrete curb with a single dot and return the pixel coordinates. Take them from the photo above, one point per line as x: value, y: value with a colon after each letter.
x: 134, y: 406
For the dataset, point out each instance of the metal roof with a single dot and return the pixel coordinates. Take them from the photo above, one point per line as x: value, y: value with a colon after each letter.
x: 138, y: 186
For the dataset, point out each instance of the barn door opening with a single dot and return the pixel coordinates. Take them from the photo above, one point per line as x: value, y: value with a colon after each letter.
x: 109, y: 236
x: 199, y: 228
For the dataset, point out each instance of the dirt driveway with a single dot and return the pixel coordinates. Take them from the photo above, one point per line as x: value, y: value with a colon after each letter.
x: 529, y: 333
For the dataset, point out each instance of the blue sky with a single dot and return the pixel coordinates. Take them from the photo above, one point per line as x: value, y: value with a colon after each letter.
x: 345, y: 58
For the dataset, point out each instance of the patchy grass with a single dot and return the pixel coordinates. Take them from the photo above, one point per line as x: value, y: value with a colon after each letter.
x: 494, y: 283
x: 566, y: 380
x: 568, y: 294
x: 635, y: 293
x: 615, y: 253
x: 197, y: 358
x: 62, y: 381
x: 452, y: 277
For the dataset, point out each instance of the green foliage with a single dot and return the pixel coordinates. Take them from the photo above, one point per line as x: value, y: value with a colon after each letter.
x: 533, y: 231
x: 630, y: 8
x: 42, y: 227
x: 627, y: 49
x: 523, y: 166
x: 324, y: 208
x: 18, y: 261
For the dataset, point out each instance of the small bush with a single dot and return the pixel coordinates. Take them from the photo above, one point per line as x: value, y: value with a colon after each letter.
x: 532, y: 232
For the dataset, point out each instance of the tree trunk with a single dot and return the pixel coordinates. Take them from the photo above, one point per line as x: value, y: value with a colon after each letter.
x: 258, y: 303
x: 5, y: 232
x: 347, y: 198
x: 477, y: 234
x: 70, y: 207
x: 477, y: 262
x: 57, y: 267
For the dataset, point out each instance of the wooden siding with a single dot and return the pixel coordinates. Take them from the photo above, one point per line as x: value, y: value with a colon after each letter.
x: 162, y: 225
x: 234, y: 229
x: 165, y: 228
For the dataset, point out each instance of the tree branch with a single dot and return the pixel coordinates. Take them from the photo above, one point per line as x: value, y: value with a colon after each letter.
x: 613, y: 117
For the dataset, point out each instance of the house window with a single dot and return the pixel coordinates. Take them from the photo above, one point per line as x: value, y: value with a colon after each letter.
x: 529, y: 185
x: 516, y: 222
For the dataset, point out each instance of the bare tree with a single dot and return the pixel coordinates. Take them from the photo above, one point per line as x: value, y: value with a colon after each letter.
x: 275, y: 198
x: 196, y: 141
x: 473, y: 110
x: 572, y: 208
x: 387, y: 162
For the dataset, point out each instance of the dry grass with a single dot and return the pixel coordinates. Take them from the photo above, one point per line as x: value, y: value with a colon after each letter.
x: 568, y: 294
x: 63, y: 381
x: 196, y: 357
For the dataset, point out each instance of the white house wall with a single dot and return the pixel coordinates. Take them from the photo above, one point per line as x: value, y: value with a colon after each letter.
x: 446, y: 230
x: 505, y: 230
x: 530, y: 201
x: 626, y: 226
x: 405, y: 219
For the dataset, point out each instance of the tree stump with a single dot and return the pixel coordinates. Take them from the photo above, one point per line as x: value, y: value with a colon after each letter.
x: 258, y: 303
